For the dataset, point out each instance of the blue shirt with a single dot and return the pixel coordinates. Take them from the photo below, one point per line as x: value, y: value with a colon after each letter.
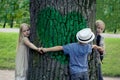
x: 78, y: 54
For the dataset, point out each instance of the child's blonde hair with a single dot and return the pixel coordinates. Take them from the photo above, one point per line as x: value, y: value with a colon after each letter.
x: 98, y: 22
x: 20, y: 31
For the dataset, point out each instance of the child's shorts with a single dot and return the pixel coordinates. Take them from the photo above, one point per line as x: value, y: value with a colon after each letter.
x: 80, y: 76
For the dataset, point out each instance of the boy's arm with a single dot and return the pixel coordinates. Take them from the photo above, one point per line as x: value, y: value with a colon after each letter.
x: 56, y: 48
x: 101, y: 49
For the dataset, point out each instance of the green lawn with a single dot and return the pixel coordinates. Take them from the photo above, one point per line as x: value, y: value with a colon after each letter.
x: 8, y: 42
x: 111, y: 62
x: 110, y: 66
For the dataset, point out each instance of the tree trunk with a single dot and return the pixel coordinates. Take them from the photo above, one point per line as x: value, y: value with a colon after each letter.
x: 5, y: 21
x: 11, y: 22
x: 55, y: 22
x: 4, y: 24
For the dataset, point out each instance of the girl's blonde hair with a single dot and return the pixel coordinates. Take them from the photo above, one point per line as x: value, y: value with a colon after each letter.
x: 99, y: 22
x: 20, y: 32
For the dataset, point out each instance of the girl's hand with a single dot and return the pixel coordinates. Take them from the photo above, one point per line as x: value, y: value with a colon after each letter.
x: 40, y: 50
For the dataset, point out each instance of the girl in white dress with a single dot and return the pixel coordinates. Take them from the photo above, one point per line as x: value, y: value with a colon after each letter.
x: 24, y: 44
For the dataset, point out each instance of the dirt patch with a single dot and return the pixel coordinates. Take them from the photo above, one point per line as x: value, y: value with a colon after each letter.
x: 9, y: 30
x: 7, y: 75
x: 111, y: 78
x: 111, y: 35
x: 10, y: 75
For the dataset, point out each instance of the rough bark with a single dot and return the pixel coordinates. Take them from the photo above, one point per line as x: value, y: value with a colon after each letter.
x: 43, y: 67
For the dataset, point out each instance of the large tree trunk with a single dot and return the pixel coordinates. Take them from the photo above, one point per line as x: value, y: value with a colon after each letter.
x: 55, y: 22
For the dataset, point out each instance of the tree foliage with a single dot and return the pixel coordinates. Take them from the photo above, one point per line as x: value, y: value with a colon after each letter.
x: 18, y: 11
x: 14, y: 11
x: 108, y: 11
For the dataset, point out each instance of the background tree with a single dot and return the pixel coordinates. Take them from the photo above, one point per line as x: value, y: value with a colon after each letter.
x: 14, y: 11
x: 108, y: 10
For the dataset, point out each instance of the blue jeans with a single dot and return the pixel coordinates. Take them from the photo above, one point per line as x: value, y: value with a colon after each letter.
x: 80, y: 76
x: 100, y: 77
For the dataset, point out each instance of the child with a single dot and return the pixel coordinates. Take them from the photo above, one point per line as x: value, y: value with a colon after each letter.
x: 23, y: 52
x: 100, y: 26
x: 78, y: 53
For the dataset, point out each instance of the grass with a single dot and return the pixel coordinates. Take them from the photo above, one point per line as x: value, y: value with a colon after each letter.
x: 110, y: 66
x: 8, y: 43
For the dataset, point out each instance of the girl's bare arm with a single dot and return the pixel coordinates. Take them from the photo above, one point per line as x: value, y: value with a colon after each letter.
x: 30, y: 45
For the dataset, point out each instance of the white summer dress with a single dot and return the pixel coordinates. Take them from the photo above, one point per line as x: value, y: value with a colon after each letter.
x: 21, y: 62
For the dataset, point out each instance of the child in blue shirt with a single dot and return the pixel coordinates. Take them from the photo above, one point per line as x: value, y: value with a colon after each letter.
x: 78, y: 53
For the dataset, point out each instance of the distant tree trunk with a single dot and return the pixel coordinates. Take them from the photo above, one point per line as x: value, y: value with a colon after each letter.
x: 115, y: 30
x: 55, y: 22
x: 5, y: 21
x: 4, y: 24
x: 11, y: 22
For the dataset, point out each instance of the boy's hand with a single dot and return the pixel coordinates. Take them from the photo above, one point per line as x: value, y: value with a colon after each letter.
x: 94, y: 46
x: 100, y: 49
x: 40, y: 50
x: 44, y: 50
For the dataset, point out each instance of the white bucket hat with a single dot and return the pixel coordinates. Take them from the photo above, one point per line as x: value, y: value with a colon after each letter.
x: 85, y: 35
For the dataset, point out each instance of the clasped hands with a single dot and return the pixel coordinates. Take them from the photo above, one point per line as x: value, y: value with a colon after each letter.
x: 41, y: 50
x: 100, y: 49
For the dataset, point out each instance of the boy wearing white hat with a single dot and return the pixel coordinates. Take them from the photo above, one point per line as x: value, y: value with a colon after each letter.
x: 78, y: 53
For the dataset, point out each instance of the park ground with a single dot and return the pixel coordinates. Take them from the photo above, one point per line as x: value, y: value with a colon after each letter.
x: 10, y: 74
